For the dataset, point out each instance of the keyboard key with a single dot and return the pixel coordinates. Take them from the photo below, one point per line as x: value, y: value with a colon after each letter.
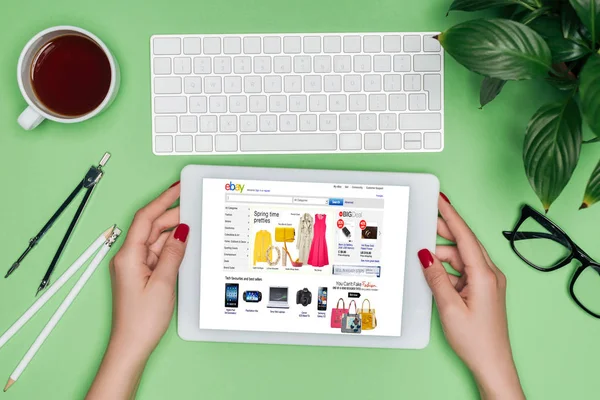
x: 232, y: 45
x: 382, y: 63
x: 213, y: 84
x: 371, y: 43
x: 192, y: 46
x: 312, y: 83
x: 377, y: 102
x: 412, y: 141
x: 228, y: 123
x: 391, y: 43
x: 237, y: 104
x: 347, y: 122
x: 268, y: 123
x: 277, y: 103
x: 308, y: 122
x: 298, y: 103
x: 432, y: 140
x: 397, y: 102
x: 163, y: 144
x: 427, y: 63
x: 192, y: 84
x: 252, y: 45
x: 166, y: 46
x: 358, y: 102
x: 182, y: 65
x: 188, y: 124
x: 401, y: 63
x: 217, y: 104
x: 412, y: 83
x: 248, y: 123
x: 282, y: 64
x: 222, y: 65
x: 258, y: 104
x: 337, y: 102
x: 392, y: 141
x: 202, y: 65
x: 162, y: 66
x: 288, y: 123
x: 232, y: 84
x: 292, y: 83
x: 165, y: 124
x: 332, y: 83
x: 198, y: 104
x: 417, y: 102
x: 332, y: 44
x: 317, y: 102
x: 312, y: 44
x: 430, y: 44
x: 322, y: 64
x: 292, y: 44
x: 351, y: 44
x: 412, y: 43
x: 362, y: 63
x: 327, y: 122
x: 433, y: 85
x: 372, y: 83
x: 387, y: 122
x: 350, y: 141
x: 302, y: 64
x: 252, y: 84
x: 289, y: 142
x: 208, y: 123
x: 372, y: 141
x: 342, y: 64
x: 226, y: 142
x: 272, y: 45
x: 167, y: 85
x: 204, y: 143
x: 392, y: 83
x: 367, y: 122
x: 262, y: 65
x: 427, y: 121
x: 170, y: 105
x: 273, y: 84
x: 212, y: 45
x: 352, y: 83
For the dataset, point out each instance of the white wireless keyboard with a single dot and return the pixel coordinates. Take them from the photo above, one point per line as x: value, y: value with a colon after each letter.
x: 297, y: 93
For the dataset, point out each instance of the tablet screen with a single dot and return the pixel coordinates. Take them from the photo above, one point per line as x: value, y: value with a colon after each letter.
x: 302, y: 257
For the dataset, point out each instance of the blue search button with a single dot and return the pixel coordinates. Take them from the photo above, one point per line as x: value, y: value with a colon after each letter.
x: 336, y: 202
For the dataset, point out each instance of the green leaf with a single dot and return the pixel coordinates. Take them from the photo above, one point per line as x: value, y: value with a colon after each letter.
x: 477, y: 5
x: 562, y: 49
x: 590, y: 92
x: 589, y: 13
x: 551, y: 149
x: 498, y: 48
x: 562, y: 83
x: 530, y: 16
x: 490, y: 88
x: 594, y: 140
x: 569, y: 21
x: 592, y: 191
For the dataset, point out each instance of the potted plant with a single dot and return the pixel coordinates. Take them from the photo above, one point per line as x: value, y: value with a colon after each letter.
x: 555, y: 40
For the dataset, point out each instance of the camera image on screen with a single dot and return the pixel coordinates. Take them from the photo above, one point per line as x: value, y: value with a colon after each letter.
x: 304, y: 297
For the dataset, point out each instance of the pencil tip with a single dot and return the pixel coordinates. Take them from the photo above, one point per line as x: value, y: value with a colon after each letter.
x: 9, y: 384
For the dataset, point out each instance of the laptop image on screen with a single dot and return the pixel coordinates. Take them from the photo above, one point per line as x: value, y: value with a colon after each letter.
x: 278, y: 297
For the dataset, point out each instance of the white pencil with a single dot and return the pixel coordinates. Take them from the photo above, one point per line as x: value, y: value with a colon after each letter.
x: 55, y: 287
x: 62, y: 309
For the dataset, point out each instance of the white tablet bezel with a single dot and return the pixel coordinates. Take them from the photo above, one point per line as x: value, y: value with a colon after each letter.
x: 422, y: 223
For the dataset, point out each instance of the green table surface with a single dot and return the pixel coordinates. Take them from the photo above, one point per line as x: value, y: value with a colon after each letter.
x: 556, y: 345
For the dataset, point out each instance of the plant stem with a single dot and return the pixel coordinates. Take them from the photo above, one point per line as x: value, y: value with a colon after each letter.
x: 527, y: 6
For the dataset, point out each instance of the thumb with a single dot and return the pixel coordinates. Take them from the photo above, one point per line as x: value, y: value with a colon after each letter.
x: 437, y: 279
x: 171, y: 255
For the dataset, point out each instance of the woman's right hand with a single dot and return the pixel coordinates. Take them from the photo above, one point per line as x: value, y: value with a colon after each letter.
x: 472, y: 307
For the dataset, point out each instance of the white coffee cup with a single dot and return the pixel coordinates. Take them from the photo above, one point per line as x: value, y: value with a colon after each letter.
x: 37, y: 112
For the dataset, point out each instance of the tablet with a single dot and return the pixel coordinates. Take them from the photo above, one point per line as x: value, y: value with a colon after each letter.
x: 306, y: 257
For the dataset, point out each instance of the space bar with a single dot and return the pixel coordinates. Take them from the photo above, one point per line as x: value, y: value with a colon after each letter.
x: 287, y: 142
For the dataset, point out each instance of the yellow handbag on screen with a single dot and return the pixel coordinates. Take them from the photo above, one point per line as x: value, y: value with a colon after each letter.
x: 369, y: 320
x: 284, y: 234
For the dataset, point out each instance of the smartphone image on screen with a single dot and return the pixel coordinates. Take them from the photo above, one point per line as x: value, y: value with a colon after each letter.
x: 231, y: 294
x: 322, y: 300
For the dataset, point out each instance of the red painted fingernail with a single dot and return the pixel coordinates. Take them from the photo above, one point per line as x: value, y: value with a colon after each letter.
x: 175, y: 184
x: 445, y: 198
x: 426, y: 258
x: 181, y: 233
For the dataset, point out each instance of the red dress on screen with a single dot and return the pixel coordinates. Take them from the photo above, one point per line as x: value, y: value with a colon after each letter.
x: 318, y: 249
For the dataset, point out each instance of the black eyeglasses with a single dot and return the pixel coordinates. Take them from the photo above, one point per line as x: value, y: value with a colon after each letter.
x: 544, y: 246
